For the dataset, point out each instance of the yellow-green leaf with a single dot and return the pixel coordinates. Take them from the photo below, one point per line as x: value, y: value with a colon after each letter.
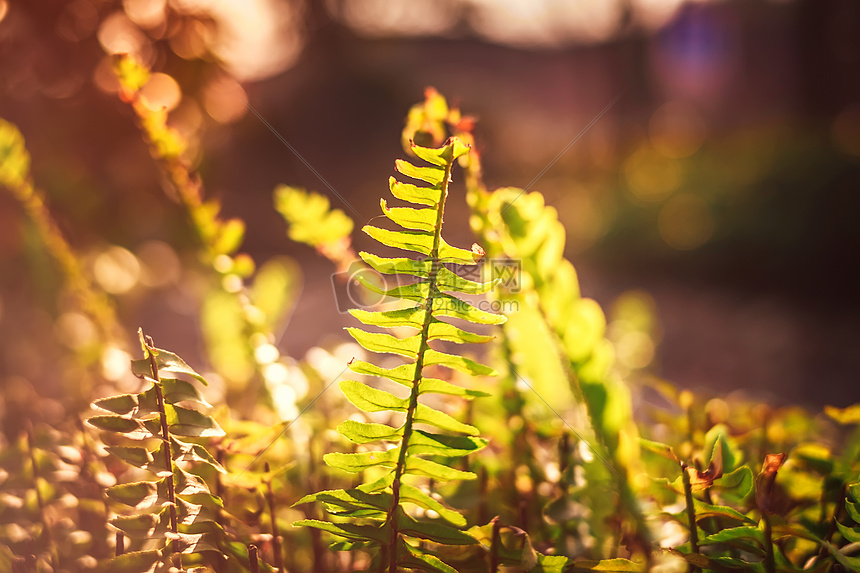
x: 427, y: 415
x: 409, y: 218
x: 433, y: 357
x: 447, y: 305
x: 432, y: 175
x: 440, y: 330
x: 423, y: 442
x: 448, y: 281
x: 416, y: 241
x: 400, y: 265
x: 386, y: 343
x: 371, y: 399
x: 431, y: 469
x: 364, y: 432
x: 414, y: 194
x: 412, y: 316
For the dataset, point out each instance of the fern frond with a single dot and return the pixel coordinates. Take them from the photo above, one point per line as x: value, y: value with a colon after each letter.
x: 176, y: 506
x: 411, y: 455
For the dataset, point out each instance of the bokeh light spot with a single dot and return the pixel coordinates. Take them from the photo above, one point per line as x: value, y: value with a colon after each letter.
x: 284, y: 401
x: 191, y: 40
x: 651, y: 176
x: 119, y: 35
x: 635, y: 350
x: 104, y: 76
x: 386, y: 17
x: 116, y: 363
x: 276, y: 374
x: 586, y: 214
x: 685, y: 222
x: 266, y: 354
x: 545, y: 23
x: 4, y: 9
x: 75, y: 330
x: 253, y: 39
x: 116, y: 270
x: 224, y: 99
x: 161, y: 92
x: 145, y: 13
x: 160, y: 265
x: 232, y: 283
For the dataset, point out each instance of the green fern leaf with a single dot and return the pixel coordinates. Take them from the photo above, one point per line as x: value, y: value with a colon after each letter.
x: 413, y: 193
x: 408, y: 460
x: 413, y: 316
x: 176, y: 507
x: 401, y: 265
x: 432, y: 175
x: 416, y: 241
x: 372, y: 399
x: 386, y: 343
x: 362, y: 461
x: 434, y: 358
x: 427, y: 415
x: 363, y: 432
x: 408, y: 218
x: 414, y: 558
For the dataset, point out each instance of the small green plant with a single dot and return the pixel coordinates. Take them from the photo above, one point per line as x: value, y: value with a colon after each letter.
x: 377, y: 509
x: 175, y: 510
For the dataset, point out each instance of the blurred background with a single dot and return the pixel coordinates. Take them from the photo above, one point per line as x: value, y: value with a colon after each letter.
x: 722, y: 182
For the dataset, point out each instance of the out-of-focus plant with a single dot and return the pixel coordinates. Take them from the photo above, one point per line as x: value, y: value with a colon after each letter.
x: 312, y: 221
x: 15, y: 177
x: 52, y: 512
x: 239, y: 319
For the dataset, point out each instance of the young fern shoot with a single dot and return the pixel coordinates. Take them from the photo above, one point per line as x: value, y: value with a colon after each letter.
x: 377, y: 520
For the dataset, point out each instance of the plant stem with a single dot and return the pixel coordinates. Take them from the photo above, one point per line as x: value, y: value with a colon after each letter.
x: 276, y: 535
x: 120, y: 543
x: 831, y: 529
x: 494, y: 545
x: 391, y: 552
x: 483, y: 494
x: 691, y: 511
x: 769, y: 561
x: 92, y: 302
x: 173, y: 546
x: 252, y: 559
x: 46, y: 530
x: 313, y: 483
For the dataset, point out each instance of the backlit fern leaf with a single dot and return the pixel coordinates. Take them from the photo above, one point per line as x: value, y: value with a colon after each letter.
x: 174, y: 510
x: 375, y: 510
